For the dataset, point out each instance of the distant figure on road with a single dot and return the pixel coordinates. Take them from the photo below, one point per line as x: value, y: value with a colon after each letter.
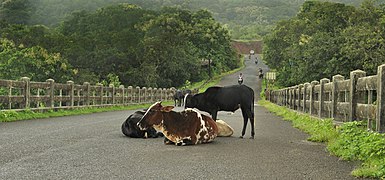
x: 251, y: 53
x: 260, y: 73
x: 240, y: 79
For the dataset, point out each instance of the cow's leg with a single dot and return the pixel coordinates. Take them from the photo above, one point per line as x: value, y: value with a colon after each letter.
x: 245, y: 119
x: 250, y: 115
x: 167, y: 141
x: 214, y: 115
x: 252, y: 125
x: 185, y: 142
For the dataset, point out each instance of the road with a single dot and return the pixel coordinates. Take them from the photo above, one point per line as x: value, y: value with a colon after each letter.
x: 93, y: 147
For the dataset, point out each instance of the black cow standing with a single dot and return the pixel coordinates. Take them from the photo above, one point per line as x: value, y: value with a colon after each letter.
x: 131, y: 129
x: 228, y: 98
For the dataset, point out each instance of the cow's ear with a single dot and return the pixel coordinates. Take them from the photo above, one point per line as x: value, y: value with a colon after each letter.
x: 167, y: 108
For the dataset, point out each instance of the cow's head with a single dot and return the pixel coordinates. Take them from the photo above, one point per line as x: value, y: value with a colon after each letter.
x: 153, y: 116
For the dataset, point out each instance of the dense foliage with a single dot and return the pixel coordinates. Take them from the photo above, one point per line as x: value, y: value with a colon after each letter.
x: 138, y: 47
x: 246, y: 19
x: 326, y: 39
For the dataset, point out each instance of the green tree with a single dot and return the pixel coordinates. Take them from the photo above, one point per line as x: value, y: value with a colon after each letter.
x: 308, y: 47
x: 34, y: 62
x: 15, y: 11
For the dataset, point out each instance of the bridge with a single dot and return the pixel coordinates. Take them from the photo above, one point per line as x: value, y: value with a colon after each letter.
x: 93, y: 147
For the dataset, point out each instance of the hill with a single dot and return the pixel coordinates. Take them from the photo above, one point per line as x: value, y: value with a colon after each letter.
x: 246, y: 19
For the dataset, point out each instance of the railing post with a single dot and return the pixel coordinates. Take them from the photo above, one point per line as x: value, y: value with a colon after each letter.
x: 300, y: 89
x: 87, y: 92
x: 291, y: 97
x: 145, y: 94
x: 121, y: 87
x: 294, y: 98
x: 305, y: 86
x: 71, y: 93
x: 161, y: 94
x: 311, y: 107
x: 137, y: 91
x: 150, y: 94
x: 51, y: 92
x: 112, y: 94
x: 336, y: 79
x: 321, y: 96
x: 27, y: 92
x: 100, y: 93
x: 129, y: 94
x: 285, y: 97
x: 353, y: 95
x: 380, y: 119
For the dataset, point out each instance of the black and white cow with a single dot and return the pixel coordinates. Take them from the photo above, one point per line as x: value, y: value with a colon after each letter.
x: 131, y: 129
x: 228, y: 98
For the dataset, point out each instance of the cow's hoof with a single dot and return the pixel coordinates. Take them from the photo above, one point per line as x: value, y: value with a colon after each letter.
x: 240, y: 136
x: 167, y: 141
x: 252, y: 137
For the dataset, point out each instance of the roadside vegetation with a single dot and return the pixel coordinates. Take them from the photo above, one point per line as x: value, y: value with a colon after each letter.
x: 350, y: 141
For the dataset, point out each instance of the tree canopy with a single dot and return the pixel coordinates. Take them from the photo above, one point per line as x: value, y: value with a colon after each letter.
x: 246, y: 19
x: 140, y: 47
x: 326, y: 39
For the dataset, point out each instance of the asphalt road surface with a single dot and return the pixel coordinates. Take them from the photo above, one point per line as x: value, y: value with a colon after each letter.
x: 93, y: 147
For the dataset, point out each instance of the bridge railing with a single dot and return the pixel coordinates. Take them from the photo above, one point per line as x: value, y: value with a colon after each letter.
x: 26, y: 94
x: 359, y: 98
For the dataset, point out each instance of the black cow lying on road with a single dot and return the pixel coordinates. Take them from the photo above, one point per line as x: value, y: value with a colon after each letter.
x: 131, y: 129
x: 228, y: 98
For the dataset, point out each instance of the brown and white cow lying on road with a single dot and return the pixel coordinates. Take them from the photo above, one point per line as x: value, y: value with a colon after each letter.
x: 182, y: 128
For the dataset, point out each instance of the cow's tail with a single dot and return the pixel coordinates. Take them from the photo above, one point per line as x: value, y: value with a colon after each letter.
x: 184, y: 100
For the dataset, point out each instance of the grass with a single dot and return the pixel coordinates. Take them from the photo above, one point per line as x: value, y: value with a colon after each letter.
x: 319, y: 130
x: 351, y: 141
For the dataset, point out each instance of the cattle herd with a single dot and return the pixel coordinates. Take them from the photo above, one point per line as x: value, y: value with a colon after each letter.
x: 189, y: 127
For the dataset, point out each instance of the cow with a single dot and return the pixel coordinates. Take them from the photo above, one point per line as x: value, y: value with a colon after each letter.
x: 178, y: 97
x: 228, y: 98
x: 187, y: 127
x: 131, y: 129
x: 224, y: 130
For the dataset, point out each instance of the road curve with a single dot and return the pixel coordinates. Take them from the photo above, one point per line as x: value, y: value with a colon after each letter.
x: 93, y: 147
